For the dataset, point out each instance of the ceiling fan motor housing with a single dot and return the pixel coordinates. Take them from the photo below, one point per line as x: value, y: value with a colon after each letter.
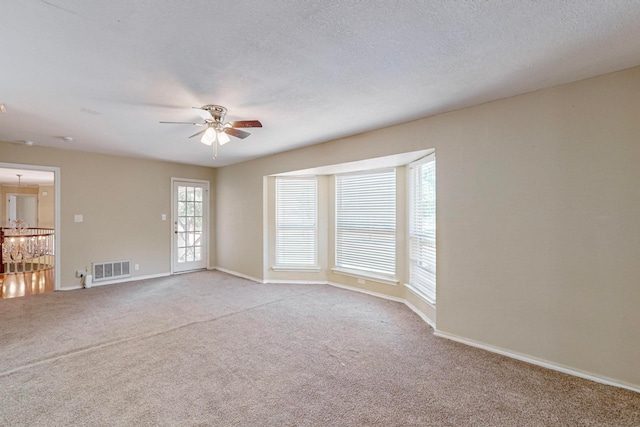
x: 218, y: 112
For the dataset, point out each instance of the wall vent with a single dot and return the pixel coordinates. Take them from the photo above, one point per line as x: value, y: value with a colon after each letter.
x: 111, y: 270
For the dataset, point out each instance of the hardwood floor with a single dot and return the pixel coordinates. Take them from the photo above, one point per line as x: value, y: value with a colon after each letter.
x: 23, y: 284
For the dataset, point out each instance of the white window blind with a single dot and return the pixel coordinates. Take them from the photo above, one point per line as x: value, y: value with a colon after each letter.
x: 296, y: 222
x: 422, y: 226
x: 366, y: 221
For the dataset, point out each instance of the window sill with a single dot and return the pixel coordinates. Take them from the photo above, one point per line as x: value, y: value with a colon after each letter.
x: 387, y: 280
x: 417, y: 292
x: 295, y: 268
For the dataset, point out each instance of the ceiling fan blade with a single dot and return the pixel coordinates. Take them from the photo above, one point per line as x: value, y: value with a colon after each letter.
x: 237, y: 133
x: 198, y: 133
x: 203, y: 113
x: 184, y: 123
x: 247, y: 124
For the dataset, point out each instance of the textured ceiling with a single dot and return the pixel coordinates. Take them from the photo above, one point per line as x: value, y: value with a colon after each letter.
x: 107, y: 72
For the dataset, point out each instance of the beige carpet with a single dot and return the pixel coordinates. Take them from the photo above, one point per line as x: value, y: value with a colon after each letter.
x: 210, y: 349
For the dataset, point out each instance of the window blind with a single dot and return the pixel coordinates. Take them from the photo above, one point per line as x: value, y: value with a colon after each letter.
x: 366, y: 221
x: 296, y: 222
x: 422, y: 226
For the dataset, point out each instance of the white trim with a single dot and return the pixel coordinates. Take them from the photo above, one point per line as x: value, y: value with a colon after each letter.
x: 113, y: 282
x: 295, y: 282
x: 510, y: 354
x: 361, y: 274
x: 71, y: 288
x: 376, y: 163
x: 56, y: 209
x: 436, y: 332
x: 422, y: 160
x: 301, y: 269
x: 421, y: 314
x: 365, y: 291
x: 417, y: 292
x: 129, y: 279
x: 536, y: 361
x: 195, y: 270
x: 199, y: 181
x: 235, y: 273
x: 387, y: 297
x: 410, y: 217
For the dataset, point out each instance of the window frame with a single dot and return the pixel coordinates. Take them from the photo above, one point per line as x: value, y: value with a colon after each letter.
x: 422, y: 281
x: 279, y: 264
x: 353, y: 269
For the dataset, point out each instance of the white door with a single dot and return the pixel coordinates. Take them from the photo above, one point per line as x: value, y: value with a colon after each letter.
x: 190, y: 225
x: 24, y: 206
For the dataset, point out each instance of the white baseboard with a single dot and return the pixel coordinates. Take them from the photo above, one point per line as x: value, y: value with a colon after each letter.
x: 113, y: 282
x: 388, y: 297
x: 536, y: 361
x: 466, y: 341
x: 365, y: 291
x: 296, y: 282
x: 71, y: 288
x: 235, y: 273
x: 421, y: 314
x: 513, y: 355
x: 129, y: 279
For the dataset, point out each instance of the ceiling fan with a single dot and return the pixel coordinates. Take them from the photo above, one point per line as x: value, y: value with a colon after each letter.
x: 216, y: 129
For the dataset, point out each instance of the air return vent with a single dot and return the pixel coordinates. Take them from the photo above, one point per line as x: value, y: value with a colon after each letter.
x: 111, y: 270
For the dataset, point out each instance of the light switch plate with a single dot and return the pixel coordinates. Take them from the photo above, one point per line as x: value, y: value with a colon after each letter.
x: 78, y: 218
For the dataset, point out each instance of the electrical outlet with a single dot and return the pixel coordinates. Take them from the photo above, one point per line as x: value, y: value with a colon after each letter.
x: 360, y: 281
x: 80, y: 274
x: 136, y: 267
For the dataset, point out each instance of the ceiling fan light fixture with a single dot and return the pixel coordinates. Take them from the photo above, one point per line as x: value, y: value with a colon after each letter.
x: 223, y: 138
x: 209, y: 136
x: 216, y: 131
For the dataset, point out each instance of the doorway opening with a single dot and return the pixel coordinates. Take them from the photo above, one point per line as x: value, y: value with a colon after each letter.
x: 29, y: 229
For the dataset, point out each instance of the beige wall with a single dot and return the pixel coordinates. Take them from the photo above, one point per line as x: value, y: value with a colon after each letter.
x: 538, y: 209
x: 122, y: 200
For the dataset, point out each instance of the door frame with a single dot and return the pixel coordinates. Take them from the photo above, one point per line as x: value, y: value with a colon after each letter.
x: 56, y: 210
x: 206, y: 219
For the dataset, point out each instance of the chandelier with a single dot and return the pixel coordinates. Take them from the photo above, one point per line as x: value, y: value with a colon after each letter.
x: 18, y: 225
